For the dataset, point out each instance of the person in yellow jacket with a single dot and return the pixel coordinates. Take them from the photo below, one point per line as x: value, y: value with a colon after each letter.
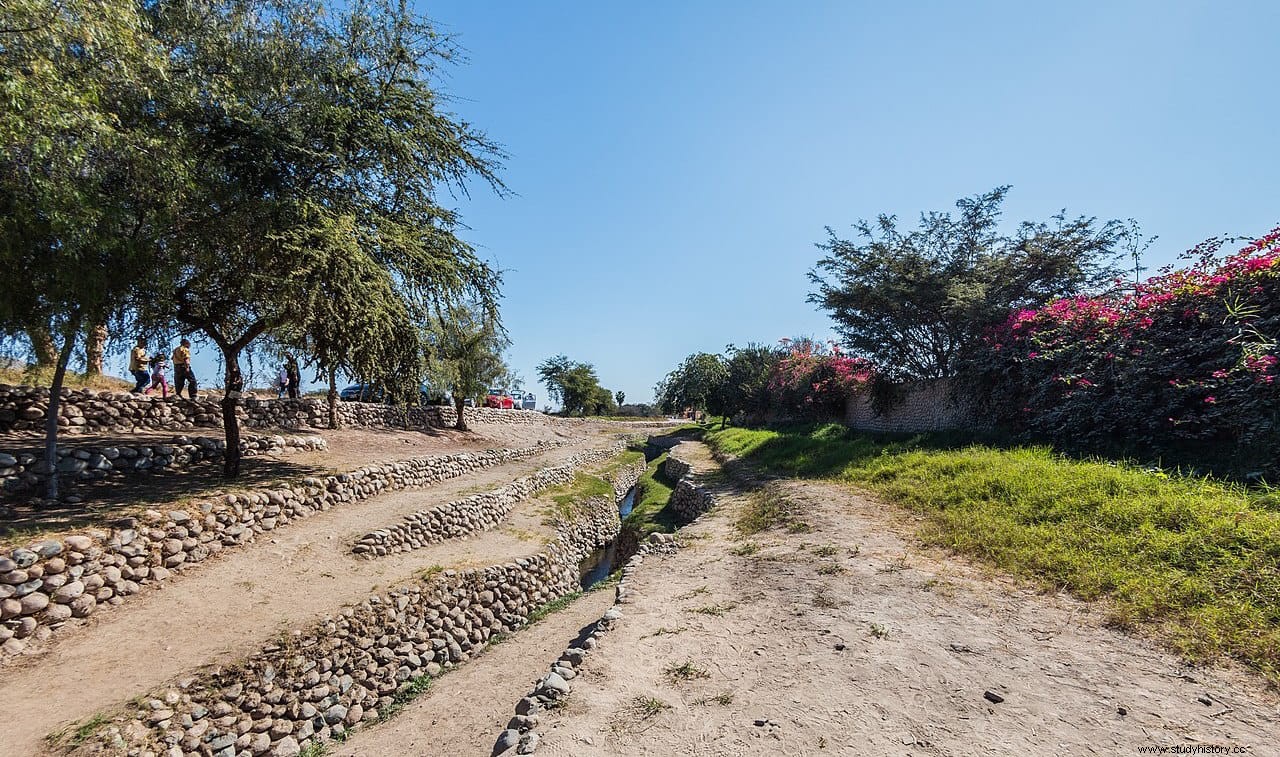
x: 182, y: 373
x: 138, y: 360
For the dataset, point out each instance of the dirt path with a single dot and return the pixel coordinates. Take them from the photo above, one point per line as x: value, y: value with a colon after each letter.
x: 225, y: 609
x: 464, y: 711
x: 849, y: 639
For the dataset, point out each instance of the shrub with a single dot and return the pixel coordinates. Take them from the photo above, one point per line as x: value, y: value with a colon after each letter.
x: 1184, y: 366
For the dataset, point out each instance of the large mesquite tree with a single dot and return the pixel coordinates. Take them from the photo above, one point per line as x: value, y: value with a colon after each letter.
x: 915, y: 301
x: 320, y: 134
x: 465, y: 354
x: 89, y: 177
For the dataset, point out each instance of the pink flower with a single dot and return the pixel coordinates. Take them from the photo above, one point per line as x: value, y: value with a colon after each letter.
x: 1220, y: 374
x: 1211, y: 400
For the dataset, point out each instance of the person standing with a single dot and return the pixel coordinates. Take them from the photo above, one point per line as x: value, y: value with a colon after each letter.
x: 293, y: 374
x: 182, y: 373
x: 282, y: 382
x: 158, y: 364
x: 138, y: 360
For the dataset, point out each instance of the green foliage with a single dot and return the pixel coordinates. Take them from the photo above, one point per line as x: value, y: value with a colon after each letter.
x: 465, y: 353
x: 1196, y: 557
x: 575, y: 386
x: 694, y: 384
x: 1183, y: 367
x: 915, y: 302
x: 650, y: 513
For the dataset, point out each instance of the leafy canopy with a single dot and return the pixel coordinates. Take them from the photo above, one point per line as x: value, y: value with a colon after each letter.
x: 915, y: 301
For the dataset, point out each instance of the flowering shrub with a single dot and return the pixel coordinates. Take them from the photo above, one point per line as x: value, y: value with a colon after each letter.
x: 816, y: 380
x: 1184, y: 366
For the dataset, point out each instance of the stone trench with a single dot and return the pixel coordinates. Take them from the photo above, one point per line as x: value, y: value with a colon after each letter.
x: 356, y: 666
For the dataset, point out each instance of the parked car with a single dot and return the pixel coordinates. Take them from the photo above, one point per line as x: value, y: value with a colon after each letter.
x: 499, y: 399
x: 529, y: 401
x: 376, y: 393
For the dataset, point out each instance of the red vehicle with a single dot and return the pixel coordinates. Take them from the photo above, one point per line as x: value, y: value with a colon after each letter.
x: 499, y: 399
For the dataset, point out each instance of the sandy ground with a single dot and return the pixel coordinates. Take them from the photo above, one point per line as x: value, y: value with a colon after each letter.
x: 465, y: 710
x: 851, y: 639
x: 231, y: 605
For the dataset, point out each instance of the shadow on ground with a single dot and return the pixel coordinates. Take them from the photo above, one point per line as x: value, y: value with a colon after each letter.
x: 114, y: 497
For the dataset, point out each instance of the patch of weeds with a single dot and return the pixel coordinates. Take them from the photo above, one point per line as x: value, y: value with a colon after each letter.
x: 685, y: 671
x: 879, y: 631
x: 664, y: 631
x: 765, y: 508
x: 830, y: 569
x: 824, y: 599
x: 81, y: 734
x: 898, y: 565
x: 694, y: 593
x: 314, y: 749
x: 411, y: 690
x: 799, y: 527
x: 826, y: 550
x: 553, y: 606
x: 648, y: 707
x: 431, y: 571
x: 855, y: 550
x: 716, y: 610
x: 746, y: 549
x: 725, y: 698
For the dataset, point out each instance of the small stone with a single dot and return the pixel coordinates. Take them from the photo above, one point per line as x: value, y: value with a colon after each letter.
x: 992, y: 697
x: 287, y: 747
x: 1205, y: 700
x: 335, y: 714
x: 506, y: 740
x: 1121, y: 711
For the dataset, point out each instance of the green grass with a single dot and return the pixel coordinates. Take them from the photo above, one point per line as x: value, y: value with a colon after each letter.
x: 653, y: 493
x: 686, y: 671
x: 1197, y: 560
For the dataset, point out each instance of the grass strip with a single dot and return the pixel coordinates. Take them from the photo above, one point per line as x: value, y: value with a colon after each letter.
x: 1196, y: 558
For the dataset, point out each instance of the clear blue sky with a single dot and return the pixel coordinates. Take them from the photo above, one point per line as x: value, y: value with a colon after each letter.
x: 674, y: 162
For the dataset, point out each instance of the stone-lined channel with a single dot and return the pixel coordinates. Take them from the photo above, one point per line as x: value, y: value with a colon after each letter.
x: 599, y: 564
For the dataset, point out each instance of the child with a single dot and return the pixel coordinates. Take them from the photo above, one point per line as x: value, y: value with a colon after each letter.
x: 158, y: 365
x: 282, y: 382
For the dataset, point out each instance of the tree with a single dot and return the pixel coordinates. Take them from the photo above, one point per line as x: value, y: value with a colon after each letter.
x: 575, y: 385
x: 693, y: 384
x: 914, y: 302
x: 323, y: 145
x: 745, y: 389
x: 466, y: 354
x: 88, y: 179
x: 620, y: 397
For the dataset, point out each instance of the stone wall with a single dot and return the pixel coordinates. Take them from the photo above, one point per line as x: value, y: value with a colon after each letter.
x: 351, y: 668
x: 44, y: 585
x: 20, y: 472
x: 23, y: 408
x: 920, y: 406
x: 481, y: 512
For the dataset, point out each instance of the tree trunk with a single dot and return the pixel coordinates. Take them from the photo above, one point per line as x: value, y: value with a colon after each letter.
x: 230, y: 423
x: 42, y: 347
x: 95, y: 348
x: 51, y: 415
x: 458, y: 403
x: 333, y: 398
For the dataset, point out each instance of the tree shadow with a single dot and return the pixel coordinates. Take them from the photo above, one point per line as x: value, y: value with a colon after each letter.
x: 109, y: 499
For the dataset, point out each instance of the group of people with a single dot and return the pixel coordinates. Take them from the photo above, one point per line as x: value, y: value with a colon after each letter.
x: 149, y: 369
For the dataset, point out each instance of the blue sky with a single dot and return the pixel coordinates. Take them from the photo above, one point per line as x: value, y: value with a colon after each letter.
x: 674, y: 162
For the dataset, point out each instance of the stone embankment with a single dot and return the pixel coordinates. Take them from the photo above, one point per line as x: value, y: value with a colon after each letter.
x: 24, y: 408
x: 46, y: 584
x: 481, y: 512
x: 689, y: 499
x: 360, y: 665
x: 24, y: 471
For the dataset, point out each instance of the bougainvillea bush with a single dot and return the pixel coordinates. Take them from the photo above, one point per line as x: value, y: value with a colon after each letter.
x: 815, y: 379
x: 1182, y: 367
